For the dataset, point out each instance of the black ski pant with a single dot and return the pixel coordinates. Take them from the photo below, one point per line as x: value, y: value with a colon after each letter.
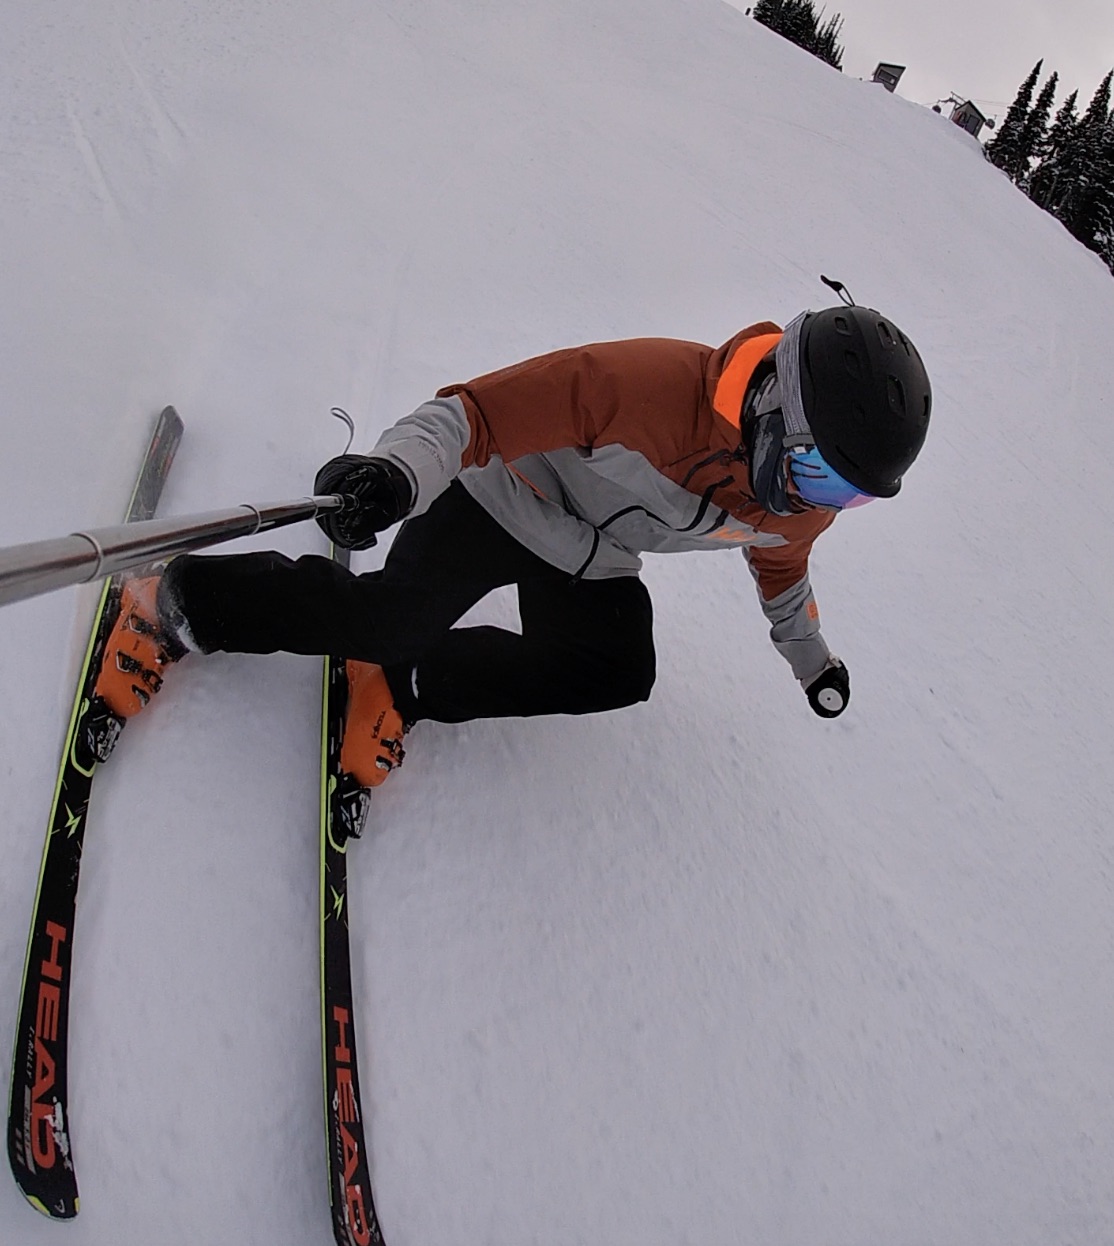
x: 585, y: 646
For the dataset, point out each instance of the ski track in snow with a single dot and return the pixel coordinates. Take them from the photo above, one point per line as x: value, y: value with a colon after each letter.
x: 96, y: 172
x: 707, y: 970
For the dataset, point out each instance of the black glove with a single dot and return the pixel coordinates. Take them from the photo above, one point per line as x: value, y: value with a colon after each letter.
x: 377, y: 494
x: 829, y: 692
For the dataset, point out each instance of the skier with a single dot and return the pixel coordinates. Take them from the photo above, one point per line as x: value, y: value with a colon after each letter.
x: 554, y: 475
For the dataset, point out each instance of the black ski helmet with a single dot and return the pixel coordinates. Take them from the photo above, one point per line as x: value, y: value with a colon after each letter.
x: 866, y: 394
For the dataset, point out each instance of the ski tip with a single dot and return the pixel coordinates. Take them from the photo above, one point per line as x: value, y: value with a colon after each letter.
x: 64, y: 1211
x: 51, y: 1191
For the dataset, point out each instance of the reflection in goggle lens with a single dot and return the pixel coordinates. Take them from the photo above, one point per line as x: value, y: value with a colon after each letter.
x: 821, y: 485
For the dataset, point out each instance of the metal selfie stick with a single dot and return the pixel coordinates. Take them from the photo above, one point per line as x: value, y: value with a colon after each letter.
x: 42, y: 566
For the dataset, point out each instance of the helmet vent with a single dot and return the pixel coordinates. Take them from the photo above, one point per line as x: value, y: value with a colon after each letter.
x: 885, y: 336
x: 895, y: 393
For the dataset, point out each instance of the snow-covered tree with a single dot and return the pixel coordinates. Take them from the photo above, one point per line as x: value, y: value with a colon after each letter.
x: 1104, y: 213
x: 1003, y: 148
x: 1033, y: 134
x: 1086, y: 205
x: 826, y: 43
x: 799, y: 21
x: 1049, y: 180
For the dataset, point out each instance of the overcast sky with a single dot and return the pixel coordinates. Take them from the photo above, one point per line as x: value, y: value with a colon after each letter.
x: 981, y: 49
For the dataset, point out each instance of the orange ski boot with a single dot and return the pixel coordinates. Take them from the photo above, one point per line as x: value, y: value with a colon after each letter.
x: 136, y: 653
x: 370, y: 748
x: 373, y: 728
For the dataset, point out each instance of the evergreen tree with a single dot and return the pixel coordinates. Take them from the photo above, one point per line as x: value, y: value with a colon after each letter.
x: 1092, y: 207
x: 788, y: 18
x: 1106, y: 238
x: 1104, y: 232
x: 1002, y: 150
x: 825, y: 43
x: 1048, y: 181
x: 798, y: 21
x: 1033, y: 134
x: 1084, y: 205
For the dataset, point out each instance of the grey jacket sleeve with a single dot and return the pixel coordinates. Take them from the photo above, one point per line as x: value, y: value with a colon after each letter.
x: 795, y: 629
x: 429, y: 446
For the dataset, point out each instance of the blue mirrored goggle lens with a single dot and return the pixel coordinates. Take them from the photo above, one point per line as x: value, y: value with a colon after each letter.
x: 821, y: 485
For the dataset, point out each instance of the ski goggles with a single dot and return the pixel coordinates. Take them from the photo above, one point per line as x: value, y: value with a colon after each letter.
x: 819, y: 484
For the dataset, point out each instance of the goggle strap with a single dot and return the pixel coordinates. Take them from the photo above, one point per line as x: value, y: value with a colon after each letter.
x: 788, y: 363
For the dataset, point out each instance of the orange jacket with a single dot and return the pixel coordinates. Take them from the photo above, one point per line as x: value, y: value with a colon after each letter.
x: 593, y: 455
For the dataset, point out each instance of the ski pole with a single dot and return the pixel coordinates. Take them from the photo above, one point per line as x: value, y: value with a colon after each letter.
x: 43, y: 566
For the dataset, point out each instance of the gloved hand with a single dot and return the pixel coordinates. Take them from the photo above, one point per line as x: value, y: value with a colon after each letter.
x: 378, y: 494
x: 829, y: 692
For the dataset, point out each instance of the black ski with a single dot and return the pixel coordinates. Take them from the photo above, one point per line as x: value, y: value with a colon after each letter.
x: 39, y: 1145
x: 343, y: 808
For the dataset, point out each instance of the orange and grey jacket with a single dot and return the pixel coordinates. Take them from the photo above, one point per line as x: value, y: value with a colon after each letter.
x: 594, y: 455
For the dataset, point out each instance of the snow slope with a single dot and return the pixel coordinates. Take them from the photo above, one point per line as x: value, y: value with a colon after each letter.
x: 709, y: 970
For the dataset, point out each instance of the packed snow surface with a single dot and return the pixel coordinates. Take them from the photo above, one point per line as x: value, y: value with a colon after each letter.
x: 708, y: 970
